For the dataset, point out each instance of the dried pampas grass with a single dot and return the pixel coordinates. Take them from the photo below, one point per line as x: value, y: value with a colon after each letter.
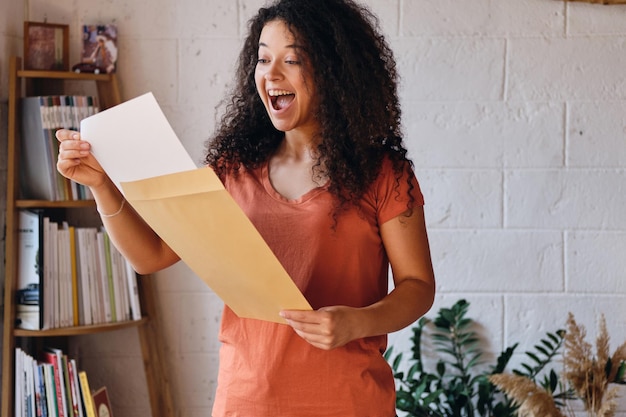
x: 532, y: 400
x: 588, y: 374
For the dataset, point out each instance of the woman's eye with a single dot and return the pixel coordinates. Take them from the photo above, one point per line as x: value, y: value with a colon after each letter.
x: 262, y: 61
x: 292, y: 62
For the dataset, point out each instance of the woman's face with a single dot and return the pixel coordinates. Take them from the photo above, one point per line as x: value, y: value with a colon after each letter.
x: 283, y: 80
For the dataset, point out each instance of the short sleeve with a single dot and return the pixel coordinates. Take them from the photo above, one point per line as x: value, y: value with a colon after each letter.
x: 393, y: 192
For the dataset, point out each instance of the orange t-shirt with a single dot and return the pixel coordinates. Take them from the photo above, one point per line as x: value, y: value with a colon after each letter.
x: 266, y: 369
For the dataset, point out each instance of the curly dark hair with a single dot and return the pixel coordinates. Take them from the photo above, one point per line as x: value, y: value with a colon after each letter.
x: 354, y: 72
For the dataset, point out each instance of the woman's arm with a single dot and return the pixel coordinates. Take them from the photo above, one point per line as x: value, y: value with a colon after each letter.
x: 406, y: 242
x: 143, y: 248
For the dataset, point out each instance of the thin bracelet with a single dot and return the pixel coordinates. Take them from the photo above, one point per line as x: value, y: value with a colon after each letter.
x: 114, y: 214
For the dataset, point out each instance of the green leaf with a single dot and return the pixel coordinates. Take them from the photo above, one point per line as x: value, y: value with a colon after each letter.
x: 533, y: 357
x: 397, y: 361
x: 542, y: 350
x: 554, y: 380
x: 547, y: 344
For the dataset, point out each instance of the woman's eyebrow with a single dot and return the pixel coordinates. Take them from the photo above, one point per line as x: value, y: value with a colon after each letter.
x: 292, y: 46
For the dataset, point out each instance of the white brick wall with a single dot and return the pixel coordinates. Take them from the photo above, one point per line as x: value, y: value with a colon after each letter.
x: 514, y: 116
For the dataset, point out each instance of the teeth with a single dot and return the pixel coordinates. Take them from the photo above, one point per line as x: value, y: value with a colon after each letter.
x: 275, y: 93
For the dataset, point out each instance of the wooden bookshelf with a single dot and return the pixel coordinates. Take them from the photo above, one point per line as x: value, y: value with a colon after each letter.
x: 31, y: 83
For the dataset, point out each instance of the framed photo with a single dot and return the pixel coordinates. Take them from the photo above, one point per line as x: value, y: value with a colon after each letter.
x: 99, y: 52
x: 101, y: 403
x: 46, y: 46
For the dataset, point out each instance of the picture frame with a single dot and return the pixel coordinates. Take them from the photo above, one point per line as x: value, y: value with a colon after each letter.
x: 46, y: 46
x: 99, y: 53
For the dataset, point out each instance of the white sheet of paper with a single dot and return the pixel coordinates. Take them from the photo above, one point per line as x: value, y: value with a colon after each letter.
x: 124, y: 137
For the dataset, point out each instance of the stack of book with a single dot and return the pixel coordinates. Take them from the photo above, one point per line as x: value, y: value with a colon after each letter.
x: 52, y: 387
x: 42, y: 117
x: 71, y: 276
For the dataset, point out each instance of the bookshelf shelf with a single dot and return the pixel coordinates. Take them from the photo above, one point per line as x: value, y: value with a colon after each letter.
x: 65, y: 75
x: 54, y: 204
x: 80, y: 330
x: 35, y: 83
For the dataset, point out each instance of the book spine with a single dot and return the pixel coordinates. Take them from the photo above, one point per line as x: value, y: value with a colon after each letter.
x: 86, y: 394
x: 51, y: 358
x: 76, y: 388
x: 53, y: 410
x: 75, y: 310
x: 69, y: 397
x: 29, y: 279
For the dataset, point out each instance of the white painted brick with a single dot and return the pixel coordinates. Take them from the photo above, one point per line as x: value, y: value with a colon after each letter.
x: 485, y: 134
x: 141, y: 19
x: 450, y: 69
x: 497, y: 260
x: 462, y: 198
x: 149, y: 65
x: 248, y: 9
x: 169, y: 309
x: 567, y: 69
x: 584, y: 19
x: 185, y: 281
x: 565, y: 199
x: 596, y: 134
x: 199, y: 323
x: 207, y: 19
x: 193, y: 126
x: 195, y: 381
x: 529, y: 317
x: 595, y: 258
x: 206, y: 70
x: 483, y: 18
x: 387, y: 12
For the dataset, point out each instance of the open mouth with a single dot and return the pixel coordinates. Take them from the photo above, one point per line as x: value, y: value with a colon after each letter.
x: 280, y: 98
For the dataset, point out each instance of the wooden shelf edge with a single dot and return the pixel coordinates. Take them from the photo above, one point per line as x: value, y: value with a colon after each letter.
x: 54, y: 204
x: 80, y: 330
x: 64, y: 75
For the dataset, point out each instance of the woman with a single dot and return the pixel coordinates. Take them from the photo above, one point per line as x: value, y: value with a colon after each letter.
x: 310, y: 147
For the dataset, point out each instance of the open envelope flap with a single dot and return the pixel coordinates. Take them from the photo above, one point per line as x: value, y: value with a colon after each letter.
x: 195, y: 181
x: 213, y: 236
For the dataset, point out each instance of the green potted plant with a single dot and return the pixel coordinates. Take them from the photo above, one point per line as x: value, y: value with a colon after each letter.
x: 460, y: 385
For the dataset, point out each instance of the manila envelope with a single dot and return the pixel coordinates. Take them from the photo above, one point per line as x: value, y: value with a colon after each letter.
x: 195, y: 215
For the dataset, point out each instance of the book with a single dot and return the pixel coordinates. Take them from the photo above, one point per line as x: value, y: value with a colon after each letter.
x: 37, y: 181
x: 104, y: 277
x: 30, y: 270
x: 101, y: 403
x: 53, y: 356
x: 70, y: 401
x: 40, y: 390
x: 75, y: 387
x: 90, y: 410
x: 65, y: 276
x: 74, y: 272
x: 51, y: 394
x: 19, y: 383
x: 42, y: 116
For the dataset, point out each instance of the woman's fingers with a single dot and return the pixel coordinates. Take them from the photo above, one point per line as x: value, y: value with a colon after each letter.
x: 75, y: 160
x: 66, y: 134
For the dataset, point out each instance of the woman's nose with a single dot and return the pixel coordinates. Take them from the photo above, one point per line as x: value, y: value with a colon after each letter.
x: 273, y: 72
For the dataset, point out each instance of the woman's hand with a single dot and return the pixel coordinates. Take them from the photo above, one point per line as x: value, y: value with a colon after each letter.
x: 327, y: 328
x: 75, y: 160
